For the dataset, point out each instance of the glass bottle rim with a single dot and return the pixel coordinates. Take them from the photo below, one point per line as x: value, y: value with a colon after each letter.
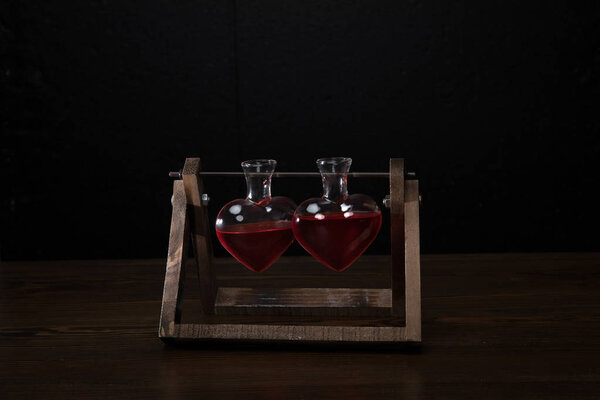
x: 333, y: 160
x: 259, y: 163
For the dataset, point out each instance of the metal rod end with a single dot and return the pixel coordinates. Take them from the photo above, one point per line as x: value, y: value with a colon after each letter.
x: 175, y: 174
x: 387, y: 201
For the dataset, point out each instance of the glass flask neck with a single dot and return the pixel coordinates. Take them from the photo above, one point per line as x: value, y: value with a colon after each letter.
x: 258, y: 179
x: 334, y: 173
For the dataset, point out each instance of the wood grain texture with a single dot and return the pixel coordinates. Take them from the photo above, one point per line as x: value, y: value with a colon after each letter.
x: 397, y: 234
x: 412, y: 263
x: 170, y: 313
x: 200, y: 228
x: 303, y: 301
x: 495, y: 326
x: 297, y: 333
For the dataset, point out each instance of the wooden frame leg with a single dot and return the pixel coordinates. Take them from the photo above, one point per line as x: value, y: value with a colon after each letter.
x: 201, y: 239
x: 397, y: 235
x: 412, y: 264
x: 170, y: 315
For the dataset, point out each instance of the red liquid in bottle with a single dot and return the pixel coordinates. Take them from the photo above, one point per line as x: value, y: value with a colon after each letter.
x: 335, y: 240
x: 257, y: 245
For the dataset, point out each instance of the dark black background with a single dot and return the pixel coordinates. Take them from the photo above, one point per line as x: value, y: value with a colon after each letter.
x: 494, y: 104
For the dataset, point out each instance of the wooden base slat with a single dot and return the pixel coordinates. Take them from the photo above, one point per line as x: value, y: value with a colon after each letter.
x: 304, y: 301
x: 299, y: 333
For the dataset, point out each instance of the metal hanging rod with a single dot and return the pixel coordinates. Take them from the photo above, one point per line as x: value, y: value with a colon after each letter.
x: 177, y: 174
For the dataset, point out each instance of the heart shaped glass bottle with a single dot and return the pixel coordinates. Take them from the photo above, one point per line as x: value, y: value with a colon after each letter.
x: 258, y: 229
x: 336, y: 228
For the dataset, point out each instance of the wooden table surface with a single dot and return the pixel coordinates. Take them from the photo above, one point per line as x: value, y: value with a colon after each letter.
x: 495, y: 326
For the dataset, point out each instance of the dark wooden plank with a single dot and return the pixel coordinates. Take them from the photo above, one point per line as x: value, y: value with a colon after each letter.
x: 303, y: 301
x: 412, y: 263
x: 523, y: 326
x: 298, y: 320
x: 397, y: 234
x: 200, y: 228
x: 178, y: 239
x: 263, y: 333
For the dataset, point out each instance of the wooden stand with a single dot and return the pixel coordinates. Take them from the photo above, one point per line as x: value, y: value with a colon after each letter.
x: 398, y: 309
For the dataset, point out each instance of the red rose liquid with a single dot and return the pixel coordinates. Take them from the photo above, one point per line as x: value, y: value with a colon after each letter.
x: 257, y: 245
x: 337, y: 239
